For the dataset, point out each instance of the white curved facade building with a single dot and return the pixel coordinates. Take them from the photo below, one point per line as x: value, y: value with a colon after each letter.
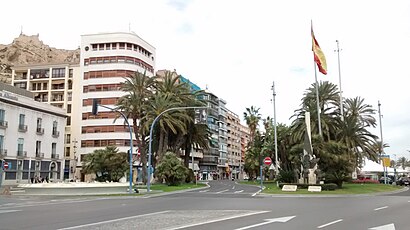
x: 107, y: 58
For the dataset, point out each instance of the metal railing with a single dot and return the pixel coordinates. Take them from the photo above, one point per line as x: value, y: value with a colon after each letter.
x: 40, y: 131
x: 3, y: 124
x: 22, y: 128
x: 56, y: 133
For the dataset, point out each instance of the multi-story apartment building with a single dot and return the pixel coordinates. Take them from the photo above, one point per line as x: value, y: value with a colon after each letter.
x: 55, y: 84
x: 209, y: 163
x: 234, y: 144
x: 106, y: 60
x: 31, y: 139
x: 223, y: 166
x: 245, y: 138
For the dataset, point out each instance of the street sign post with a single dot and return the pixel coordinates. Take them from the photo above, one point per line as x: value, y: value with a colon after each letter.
x: 267, y: 161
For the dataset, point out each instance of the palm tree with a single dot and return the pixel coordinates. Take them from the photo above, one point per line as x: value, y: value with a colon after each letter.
x: 357, y: 108
x: 139, y: 88
x: 173, y: 121
x: 403, y: 162
x: 252, y: 118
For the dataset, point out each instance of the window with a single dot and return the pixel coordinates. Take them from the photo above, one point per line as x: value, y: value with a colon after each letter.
x: 39, y: 121
x: 67, y: 151
x: 68, y: 121
x: 68, y: 138
x: 44, y: 86
x: 122, y: 45
x: 69, y: 96
x: 22, y: 118
x: 100, y: 46
x: 53, y: 149
x: 70, y: 73
x: 55, y: 128
x: 69, y: 108
x: 2, y: 115
x: 114, y: 46
x: 38, y: 148
x: 108, y: 46
x: 20, y: 145
x: 58, y: 72
x: 94, y: 47
x: 1, y: 144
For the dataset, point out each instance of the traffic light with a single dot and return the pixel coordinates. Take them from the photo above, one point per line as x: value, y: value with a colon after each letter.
x: 94, y: 110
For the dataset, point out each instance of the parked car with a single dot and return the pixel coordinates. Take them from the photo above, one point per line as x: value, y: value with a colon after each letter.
x: 388, y: 180
x: 403, y: 181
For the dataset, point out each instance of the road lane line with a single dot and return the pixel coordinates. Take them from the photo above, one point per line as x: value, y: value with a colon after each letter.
x: 222, y: 191
x: 233, y: 187
x: 256, y: 193
x: 333, y: 222
x: 377, y: 209
x: 218, y: 220
x: 239, y: 191
x: 204, y: 191
x: 7, y: 211
x: 113, y: 220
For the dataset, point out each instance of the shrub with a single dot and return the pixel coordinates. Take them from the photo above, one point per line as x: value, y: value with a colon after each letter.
x: 171, y: 169
x: 365, y: 181
x: 190, y: 177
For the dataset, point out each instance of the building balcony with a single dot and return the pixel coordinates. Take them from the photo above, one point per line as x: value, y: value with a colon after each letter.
x: 55, y: 156
x: 40, y: 131
x: 21, y: 154
x: 3, y: 153
x: 39, y: 155
x: 56, y: 134
x: 209, y: 161
x: 3, y: 124
x: 22, y: 128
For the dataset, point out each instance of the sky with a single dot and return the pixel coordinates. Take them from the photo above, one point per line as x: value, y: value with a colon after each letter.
x: 238, y: 48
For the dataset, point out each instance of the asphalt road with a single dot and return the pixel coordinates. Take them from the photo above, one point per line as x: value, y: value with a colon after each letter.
x: 223, y: 205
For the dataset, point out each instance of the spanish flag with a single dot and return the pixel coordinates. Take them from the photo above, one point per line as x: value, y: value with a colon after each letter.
x: 318, y: 54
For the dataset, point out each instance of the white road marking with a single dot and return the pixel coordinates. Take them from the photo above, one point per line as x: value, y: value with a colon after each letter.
x: 217, y: 220
x: 204, y: 191
x: 377, y: 209
x: 269, y: 221
x: 239, y: 191
x: 31, y: 204
x: 113, y: 220
x: 333, y: 222
x: 7, y: 211
x: 222, y: 191
x: 384, y: 227
x: 256, y: 193
x: 233, y: 187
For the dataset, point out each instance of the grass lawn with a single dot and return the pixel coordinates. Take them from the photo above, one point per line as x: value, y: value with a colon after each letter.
x: 348, y: 188
x: 166, y: 188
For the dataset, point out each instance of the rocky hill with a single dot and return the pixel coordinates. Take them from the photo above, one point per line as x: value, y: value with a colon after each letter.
x: 31, y: 50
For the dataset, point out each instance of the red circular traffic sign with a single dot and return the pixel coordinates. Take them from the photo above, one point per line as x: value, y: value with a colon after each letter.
x: 267, y: 161
x: 6, y: 165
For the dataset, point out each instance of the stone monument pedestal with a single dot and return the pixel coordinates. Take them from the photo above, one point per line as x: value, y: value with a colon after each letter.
x: 312, y: 176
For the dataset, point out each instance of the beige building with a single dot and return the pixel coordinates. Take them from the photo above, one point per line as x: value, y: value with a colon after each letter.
x: 55, y: 84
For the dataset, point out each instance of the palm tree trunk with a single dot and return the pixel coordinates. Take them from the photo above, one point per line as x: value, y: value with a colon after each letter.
x: 187, y: 153
x: 165, y: 144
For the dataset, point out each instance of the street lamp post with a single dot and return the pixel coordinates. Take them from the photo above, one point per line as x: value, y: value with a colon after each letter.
x: 95, y: 111
x: 276, y: 138
x: 150, y: 138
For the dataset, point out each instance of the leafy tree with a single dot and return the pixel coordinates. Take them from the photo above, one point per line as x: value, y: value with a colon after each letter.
x: 403, y: 162
x: 107, y: 164
x: 139, y: 88
x: 171, y: 169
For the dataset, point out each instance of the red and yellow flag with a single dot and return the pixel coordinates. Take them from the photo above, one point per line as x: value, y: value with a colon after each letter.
x: 319, y: 55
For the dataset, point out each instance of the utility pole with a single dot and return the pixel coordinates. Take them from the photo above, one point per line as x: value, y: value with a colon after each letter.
x: 274, y: 125
x: 340, y: 80
x: 381, y: 142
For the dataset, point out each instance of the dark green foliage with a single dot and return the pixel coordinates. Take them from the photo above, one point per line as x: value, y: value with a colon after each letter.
x: 190, y: 177
x: 286, y: 176
x: 107, y: 164
x: 171, y: 169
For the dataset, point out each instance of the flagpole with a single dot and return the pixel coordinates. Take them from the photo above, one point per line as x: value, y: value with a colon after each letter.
x: 340, y: 81
x: 317, y: 100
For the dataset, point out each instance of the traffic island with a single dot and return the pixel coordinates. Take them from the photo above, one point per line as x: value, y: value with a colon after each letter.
x: 75, y: 188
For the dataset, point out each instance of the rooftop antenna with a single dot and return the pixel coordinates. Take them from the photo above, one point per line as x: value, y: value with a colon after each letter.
x: 21, y: 30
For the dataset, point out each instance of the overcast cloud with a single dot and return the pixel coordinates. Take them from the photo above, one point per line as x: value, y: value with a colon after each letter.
x: 238, y: 48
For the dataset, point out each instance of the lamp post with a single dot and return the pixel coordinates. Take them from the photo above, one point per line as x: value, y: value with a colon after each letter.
x: 276, y: 138
x: 150, y: 138
x: 94, y: 112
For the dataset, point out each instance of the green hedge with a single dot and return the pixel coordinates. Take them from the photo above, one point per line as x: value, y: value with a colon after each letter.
x: 327, y: 187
